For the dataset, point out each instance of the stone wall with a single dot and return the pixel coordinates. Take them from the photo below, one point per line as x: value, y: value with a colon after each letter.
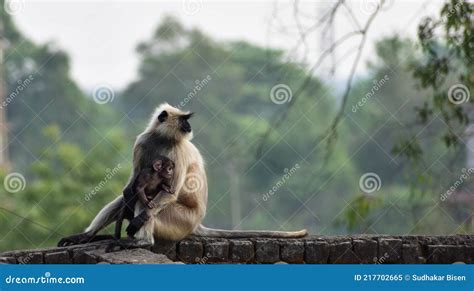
x: 358, y: 249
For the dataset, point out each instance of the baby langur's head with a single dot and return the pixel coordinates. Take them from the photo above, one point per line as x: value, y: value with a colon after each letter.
x: 171, y: 122
x: 164, y: 167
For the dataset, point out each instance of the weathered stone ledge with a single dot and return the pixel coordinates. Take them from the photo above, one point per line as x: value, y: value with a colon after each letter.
x: 357, y: 249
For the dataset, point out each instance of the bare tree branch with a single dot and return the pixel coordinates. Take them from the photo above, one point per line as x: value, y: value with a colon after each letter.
x: 302, y: 87
x: 331, y: 132
x: 326, y: 18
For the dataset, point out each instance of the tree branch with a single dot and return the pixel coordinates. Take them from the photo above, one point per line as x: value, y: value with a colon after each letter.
x: 331, y: 132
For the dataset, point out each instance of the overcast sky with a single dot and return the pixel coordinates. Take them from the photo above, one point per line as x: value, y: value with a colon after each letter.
x: 101, y: 36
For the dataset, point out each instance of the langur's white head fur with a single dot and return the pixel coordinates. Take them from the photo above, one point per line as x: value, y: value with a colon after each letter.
x: 171, y: 122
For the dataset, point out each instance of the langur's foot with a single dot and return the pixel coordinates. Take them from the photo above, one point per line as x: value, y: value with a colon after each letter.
x: 136, y: 223
x: 82, y: 238
x: 127, y: 243
x: 151, y: 204
x: 75, y: 239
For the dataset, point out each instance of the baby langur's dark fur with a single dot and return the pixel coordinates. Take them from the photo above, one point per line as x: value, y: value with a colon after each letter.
x: 149, y: 183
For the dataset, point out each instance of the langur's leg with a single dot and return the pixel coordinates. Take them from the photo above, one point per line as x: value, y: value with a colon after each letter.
x: 130, y: 242
x: 145, y: 232
x: 136, y: 223
x: 162, y: 201
x: 118, y: 224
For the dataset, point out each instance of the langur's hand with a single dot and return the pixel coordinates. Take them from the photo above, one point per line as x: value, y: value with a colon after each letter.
x: 151, y: 204
x: 168, y: 189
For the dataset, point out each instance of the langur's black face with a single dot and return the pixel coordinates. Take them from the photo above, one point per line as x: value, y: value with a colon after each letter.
x: 172, y: 123
x: 184, y: 125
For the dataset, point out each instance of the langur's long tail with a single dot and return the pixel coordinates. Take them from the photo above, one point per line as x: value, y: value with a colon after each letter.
x: 211, y: 232
x: 106, y: 216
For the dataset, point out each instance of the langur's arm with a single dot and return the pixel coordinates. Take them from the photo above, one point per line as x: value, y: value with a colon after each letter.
x: 137, y: 158
x: 167, y: 188
x: 141, y: 195
x: 172, y: 188
x: 142, y: 181
x: 136, y: 169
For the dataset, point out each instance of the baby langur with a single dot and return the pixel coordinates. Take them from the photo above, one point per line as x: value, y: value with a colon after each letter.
x: 147, y: 187
x: 155, y: 185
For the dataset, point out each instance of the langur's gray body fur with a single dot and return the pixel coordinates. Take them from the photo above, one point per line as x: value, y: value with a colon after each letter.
x: 181, y: 214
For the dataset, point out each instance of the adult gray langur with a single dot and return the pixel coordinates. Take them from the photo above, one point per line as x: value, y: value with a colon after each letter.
x: 176, y: 216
